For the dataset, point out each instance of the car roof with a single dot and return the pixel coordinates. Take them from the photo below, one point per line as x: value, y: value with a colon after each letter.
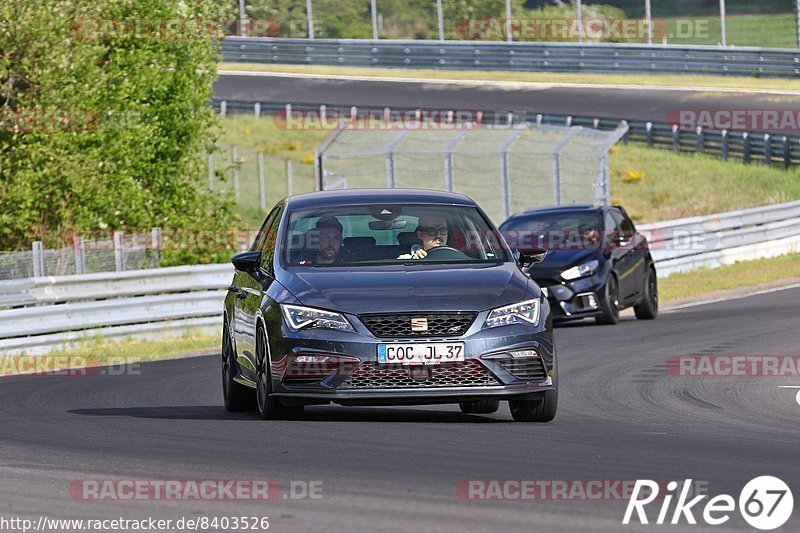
x: 356, y: 196
x: 576, y: 208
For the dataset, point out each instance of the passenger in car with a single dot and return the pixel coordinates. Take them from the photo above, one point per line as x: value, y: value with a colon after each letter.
x: 432, y: 231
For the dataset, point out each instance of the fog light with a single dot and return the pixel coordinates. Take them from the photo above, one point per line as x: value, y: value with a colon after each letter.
x: 521, y: 354
x: 311, y: 358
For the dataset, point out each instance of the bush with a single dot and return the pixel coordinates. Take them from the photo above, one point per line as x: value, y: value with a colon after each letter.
x: 104, y: 130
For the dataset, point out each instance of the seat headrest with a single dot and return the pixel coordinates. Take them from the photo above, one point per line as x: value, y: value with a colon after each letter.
x: 407, y: 238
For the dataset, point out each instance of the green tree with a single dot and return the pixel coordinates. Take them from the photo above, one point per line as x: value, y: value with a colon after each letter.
x: 103, y: 122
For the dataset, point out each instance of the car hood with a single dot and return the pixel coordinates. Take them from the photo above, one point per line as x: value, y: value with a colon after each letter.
x: 558, y: 261
x: 415, y: 288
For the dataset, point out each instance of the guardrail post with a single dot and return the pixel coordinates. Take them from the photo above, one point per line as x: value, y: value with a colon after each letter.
x: 223, y: 108
x: 648, y: 127
x: 80, y: 255
x: 787, y: 151
x: 235, y: 161
x: 596, y: 123
x: 746, y: 148
x: 510, y: 118
x: 262, y: 189
x: 767, y: 149
x: 289, y: 179
x: 568, y: 121
x: 701, y: 139
x: 726, y: 145
x: 323, y: 114
x: 257, y: 109
x: 118, y: 259
x: 38, y: 259
x: 676, y: 138
x: 155, y: 243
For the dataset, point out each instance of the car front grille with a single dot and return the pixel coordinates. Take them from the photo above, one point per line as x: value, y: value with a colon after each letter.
x: 377, y: 376
x: 524, y: 368
x: 399, y: 325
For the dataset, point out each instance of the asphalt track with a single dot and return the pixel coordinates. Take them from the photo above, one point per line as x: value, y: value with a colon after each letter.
x: 622, y: 416
x: 604, y: 102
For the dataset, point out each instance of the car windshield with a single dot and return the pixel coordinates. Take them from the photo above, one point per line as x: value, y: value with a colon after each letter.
x: 368, y: 234
x: 554, y: 231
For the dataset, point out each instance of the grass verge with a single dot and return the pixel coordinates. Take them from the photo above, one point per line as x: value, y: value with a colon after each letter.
x: 654, y: 80
x: 756, y: 274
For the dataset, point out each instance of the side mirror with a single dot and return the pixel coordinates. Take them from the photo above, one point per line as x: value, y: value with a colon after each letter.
x: 530, y: 256
x: 247, y: 261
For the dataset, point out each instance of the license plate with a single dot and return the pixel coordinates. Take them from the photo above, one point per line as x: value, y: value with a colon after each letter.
x: 431, y: 353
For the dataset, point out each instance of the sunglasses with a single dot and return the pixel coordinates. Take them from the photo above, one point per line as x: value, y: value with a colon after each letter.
x: 432, y: 231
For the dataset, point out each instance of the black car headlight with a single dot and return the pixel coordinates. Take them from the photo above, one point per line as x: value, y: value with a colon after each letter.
x: 525, y: 313
x: 298, y: 317
x: 581, y: 271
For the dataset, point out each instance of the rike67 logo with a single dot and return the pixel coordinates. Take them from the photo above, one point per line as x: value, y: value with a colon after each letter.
x: 765, y: 503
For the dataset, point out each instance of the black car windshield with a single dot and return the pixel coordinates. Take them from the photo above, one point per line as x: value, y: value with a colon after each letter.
x: 554, y: 230
x: 368, y: 234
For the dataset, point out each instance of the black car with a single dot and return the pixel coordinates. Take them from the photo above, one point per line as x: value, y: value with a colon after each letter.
x: 597, y: 263
x: 386, y: 297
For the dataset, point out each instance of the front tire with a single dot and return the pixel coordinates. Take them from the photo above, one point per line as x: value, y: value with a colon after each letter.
x: 647, y: 309
x: 609, y: 303
x: 237, y: 397
x: 480, y: 407
x: 269, y: 407
x: 539, y: 410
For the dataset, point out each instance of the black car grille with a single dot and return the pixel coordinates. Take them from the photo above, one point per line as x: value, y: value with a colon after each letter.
x: 377, y: 376
x: 524, y: 368
x: 399, y: 325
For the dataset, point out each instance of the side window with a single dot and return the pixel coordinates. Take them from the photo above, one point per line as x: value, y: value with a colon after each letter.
x: 626, y: 225
x: 258, y: 242
x: 271, y: 235
x: 611, y: 225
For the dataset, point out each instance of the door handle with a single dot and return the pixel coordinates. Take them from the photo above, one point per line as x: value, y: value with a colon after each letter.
x: 233, y: 288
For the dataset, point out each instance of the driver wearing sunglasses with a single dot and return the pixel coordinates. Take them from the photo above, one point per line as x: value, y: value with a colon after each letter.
x: 432, y: 232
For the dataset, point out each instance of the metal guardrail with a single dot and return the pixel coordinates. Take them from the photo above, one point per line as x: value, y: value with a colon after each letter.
x: 762, y: 147
x: 523, y: 57
x: 722, y: 239
x: 42, y: 314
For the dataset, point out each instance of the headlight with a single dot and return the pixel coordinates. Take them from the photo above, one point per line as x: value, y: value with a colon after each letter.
x: 581, y: 271
x: 526, y: 313
x: 298, y: 317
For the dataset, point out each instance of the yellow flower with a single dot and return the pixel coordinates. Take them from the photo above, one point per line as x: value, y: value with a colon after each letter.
x: 308, y: 159
x: 633, y: 175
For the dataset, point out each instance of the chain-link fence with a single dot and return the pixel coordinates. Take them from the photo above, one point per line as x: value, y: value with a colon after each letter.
x: 772, y: 23
x: 505, y: 169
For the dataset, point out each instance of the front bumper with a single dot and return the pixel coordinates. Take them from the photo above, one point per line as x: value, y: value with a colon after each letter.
x: 358, y: 379
x: 572, y: 300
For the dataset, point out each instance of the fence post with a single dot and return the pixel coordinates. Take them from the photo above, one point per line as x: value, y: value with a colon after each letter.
x: 787, y: 150
x: 210, y: 172
x: 262, y: 189
x: 374, y: 12
x: 440, y: 19
x: 310, y: 19
x: 242, y: 19
x: 579, y: 17
x: 676, y: 138
x: 80, y: 255
x: 289, y: 191
x: 235, y: 161
x: 701, y: 139
x: 118, y: 259
x: 722, y: 22
x: 746, y: 147
x: 649, y: 21
x: 649, y: 129
x: 38, y: 259
x: 726, y: 145
x: 509, y: 37
x: 155, y: 242
x: 767, y: 149
x: 317, y: 171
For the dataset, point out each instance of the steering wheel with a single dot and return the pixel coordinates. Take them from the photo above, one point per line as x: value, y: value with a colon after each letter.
x: 445, y: 252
